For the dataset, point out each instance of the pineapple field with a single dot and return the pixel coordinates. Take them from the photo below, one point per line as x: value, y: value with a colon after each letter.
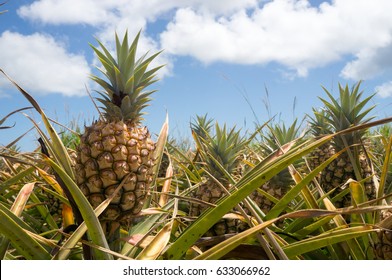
x: 319, y: 188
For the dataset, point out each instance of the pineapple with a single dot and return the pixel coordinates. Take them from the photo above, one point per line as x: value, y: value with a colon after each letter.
x: 219, y: 155
x: 319, y: 127
x: 277, y: 136
x: 117, y: 148
x: 383, y: 241
x: 383, y: 244
x: 54, y: 204
x: 345, y: 112
x: 379, y: 140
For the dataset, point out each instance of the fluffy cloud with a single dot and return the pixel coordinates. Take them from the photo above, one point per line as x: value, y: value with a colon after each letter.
x: 292, y: 33
x: 106, y: 11
x: 40, y: 64
x: 69, y: 12
x: 369, y: 63
x: 385, y: 90
x: 119, y: 15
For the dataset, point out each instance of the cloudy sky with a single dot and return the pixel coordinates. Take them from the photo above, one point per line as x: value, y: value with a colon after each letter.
x: 240, y: 61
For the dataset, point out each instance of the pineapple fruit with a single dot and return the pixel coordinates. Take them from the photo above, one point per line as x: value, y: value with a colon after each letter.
x: 339, y: 114
x: 383, y: 243
x: 318, y: 126
x: 117, y: 148
x: 277, y: 136
x: 219, y: 155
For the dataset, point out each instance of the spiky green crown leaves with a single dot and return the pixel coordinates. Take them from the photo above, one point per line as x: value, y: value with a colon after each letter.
x: 346, y: 112
x: 279, y: 135
x: 219, y: 147
x: 124, y: 96
x: 202, y: 126
x: 318, y: 124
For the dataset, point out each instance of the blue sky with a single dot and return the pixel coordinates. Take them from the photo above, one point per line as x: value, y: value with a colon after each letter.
x: 220, y: 57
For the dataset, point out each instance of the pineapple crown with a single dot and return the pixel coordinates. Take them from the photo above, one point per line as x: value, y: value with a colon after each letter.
x: 317, y: 122
x: 202, y: 126
x: 346, y: 112
x: 124, y: 96
x: 220, y: 148
x: 279, y: 135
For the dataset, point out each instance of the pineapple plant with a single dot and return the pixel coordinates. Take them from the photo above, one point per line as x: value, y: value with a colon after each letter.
x: 117, y: 148
x: 277, y: 136
x: 340, y: 114
x: 380, y: 140
x: 318, y: 127
x: 219, y: 155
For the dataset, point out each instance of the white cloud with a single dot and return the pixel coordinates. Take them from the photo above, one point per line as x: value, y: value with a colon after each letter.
x: 104, y: 12
x: 292, y: 33
x: 69, y: 12
x: 369, y: 63
x: 385, y: 90
x: 41, y: 64
x: 119, y: 15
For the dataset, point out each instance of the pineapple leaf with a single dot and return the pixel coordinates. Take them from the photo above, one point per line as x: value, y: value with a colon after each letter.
x: 128, y: 67
x: 95, y: 230
x: 328, y: 238
x: 248, y: 183
x: 107, y: 56
x: 14, y: 229
x: 125, y: 78
x: 122, y: 50
x: 154, y: 249
x: 107, y: 62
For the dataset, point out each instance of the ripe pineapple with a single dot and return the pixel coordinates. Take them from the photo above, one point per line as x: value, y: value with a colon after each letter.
x: 216, y: 152
x: 117, y: 145
x: 347, y: 111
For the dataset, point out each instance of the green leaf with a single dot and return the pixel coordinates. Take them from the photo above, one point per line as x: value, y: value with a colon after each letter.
x: 323, y: 240
x: 78, y: 234
x: 17, y: 209
x: 94, y: 227
x: 26, y: 245
x: 293, y: 192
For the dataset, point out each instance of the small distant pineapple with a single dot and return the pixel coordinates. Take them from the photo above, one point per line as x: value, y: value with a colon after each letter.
x: 347, y: 111
x: 118, y: 147
x: 319, y: 127
x: 55, y: 206
x: 50, y: 195
x: 219, y: 155
x: 277, y: 136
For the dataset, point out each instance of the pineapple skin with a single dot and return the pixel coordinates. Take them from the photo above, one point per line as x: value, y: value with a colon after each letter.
x: 383, y: 248
x: 275, y: 188
x: 383, y: 244
x: 208, y: 192
x: 108, y: 152
x: 211, y: 192
x: 339, y: 171
x: 320, y: 155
